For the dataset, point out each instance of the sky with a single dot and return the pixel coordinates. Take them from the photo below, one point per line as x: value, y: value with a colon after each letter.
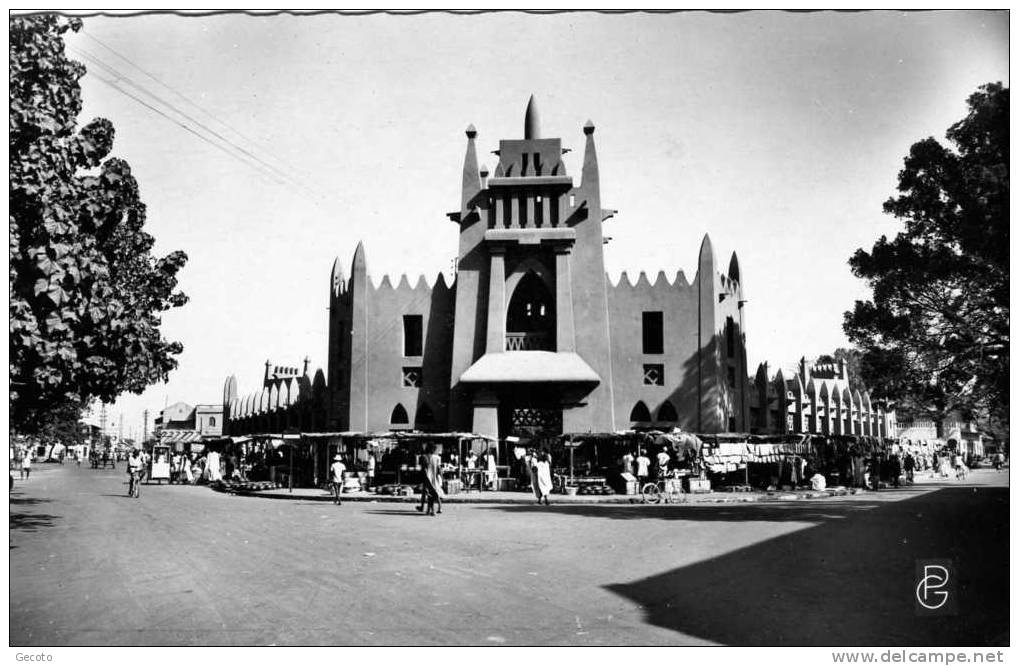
x: 778, y: 134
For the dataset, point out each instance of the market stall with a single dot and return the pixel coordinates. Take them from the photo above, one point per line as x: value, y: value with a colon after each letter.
x: 740, y: 461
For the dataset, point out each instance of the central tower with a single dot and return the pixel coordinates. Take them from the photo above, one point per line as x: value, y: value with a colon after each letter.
x: 531, y: 353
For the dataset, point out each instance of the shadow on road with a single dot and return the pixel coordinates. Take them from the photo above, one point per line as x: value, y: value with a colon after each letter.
x: 848, y: 581
x: 27, y: 501
x: 31, y: 522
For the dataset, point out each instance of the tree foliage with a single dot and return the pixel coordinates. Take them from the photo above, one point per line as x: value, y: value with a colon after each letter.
x: 936, y: 330
x: 86, y: 292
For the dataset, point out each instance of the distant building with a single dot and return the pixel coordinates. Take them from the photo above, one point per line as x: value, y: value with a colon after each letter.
x: 955, y: 433
x: 180, y: 423
x: 532, y: 339
x: 815, y: 399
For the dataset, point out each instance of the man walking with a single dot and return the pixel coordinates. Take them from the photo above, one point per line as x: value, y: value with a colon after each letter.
x: 336, y: 478
x: 643, y: 466
x: 909, y: 465
x: 433, y: 481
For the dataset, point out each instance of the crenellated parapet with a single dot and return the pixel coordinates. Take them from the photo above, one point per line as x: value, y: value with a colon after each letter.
x: 403, y: 284
x: 641, y: 281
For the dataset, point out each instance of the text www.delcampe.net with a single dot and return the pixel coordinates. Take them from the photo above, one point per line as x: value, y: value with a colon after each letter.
x: 918, y: 657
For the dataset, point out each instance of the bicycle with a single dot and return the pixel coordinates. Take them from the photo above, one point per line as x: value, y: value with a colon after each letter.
x: 669, y: 490
x: 134, y: 485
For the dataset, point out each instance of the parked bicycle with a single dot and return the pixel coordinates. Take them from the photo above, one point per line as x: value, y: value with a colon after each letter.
x: 667, y: 490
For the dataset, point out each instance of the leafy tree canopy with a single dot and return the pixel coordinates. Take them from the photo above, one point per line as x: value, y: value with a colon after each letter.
x: 936, y: 330
x: 86, y: 293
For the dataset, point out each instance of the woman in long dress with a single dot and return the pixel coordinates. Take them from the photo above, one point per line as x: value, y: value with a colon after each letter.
x: 542, y: 477
x: 492, y: 471
x: 185, y: 464
x: 433, y: 481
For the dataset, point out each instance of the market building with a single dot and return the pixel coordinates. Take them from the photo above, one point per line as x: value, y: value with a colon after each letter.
x: 289, y: 398
x: 533, y: 339
x: 816, y: 399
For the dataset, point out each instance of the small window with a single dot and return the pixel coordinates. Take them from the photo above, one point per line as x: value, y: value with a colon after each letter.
x: 654, y: 374
x: 732, y: 377
x: 651, y: 333
x: 412, y: 377
x: 212, y: 421
x: 640, y: 412
x: 732, y: 424
x: 730, y: 337
x: 412, y: 335
x: 399, y: 415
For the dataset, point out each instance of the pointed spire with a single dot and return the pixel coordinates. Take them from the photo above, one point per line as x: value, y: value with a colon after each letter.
x: 589, y: 172
x: 471, y: 179
x: 359, y: 267
x: 532, y: 121
x: 707, y: 252
x: 734, y: 268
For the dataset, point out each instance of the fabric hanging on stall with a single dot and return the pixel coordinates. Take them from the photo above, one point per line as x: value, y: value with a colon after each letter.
x: 212, y: 467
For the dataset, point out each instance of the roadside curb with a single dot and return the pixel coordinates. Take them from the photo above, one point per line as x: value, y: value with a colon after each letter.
x: 528, y: 499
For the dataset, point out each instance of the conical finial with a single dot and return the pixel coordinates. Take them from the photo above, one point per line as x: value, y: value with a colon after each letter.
x: 484, y: 170
x: 471, y: 132
x: 532, y: 123
x: 588, y: 127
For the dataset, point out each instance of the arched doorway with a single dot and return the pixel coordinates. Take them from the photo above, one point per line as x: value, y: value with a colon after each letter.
x: 531, y: 316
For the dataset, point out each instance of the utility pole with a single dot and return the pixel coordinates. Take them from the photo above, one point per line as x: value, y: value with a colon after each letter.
x: 102, y: 423
x: 120, y: 431
x: 145, y: 426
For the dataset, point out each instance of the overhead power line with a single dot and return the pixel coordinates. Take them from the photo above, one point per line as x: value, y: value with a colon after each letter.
x: 214, y: 138
x: 278, y: 176
x: 193, y: 103
x: 179, y: 124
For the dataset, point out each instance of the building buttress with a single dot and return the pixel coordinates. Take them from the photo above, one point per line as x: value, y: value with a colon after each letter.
x: 359, y: 290
x: 471, y: 307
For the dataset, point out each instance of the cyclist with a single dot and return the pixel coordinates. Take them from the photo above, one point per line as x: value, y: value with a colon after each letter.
x: 134, y: 470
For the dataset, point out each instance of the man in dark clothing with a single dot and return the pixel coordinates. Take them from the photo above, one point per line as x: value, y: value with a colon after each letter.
x: 875, y: 471
x: 909, y: 465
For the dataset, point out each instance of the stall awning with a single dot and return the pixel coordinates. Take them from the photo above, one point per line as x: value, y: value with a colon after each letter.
x: 182, y: 436
x: 530, y: 366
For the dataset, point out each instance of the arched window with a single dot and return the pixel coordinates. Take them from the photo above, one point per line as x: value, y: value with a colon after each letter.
x: 640, y: 412
x: 424, y: 417
x: 667, y: 412
x: 531, y: 317
x: 399, y: 415
x: 212, y: 421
